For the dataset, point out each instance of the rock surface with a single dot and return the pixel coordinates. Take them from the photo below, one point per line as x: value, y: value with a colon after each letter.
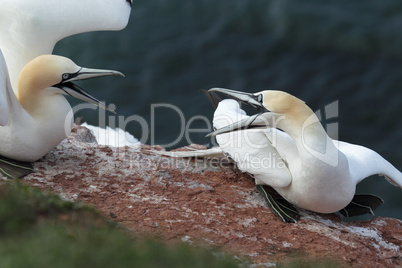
x: 205, y: 202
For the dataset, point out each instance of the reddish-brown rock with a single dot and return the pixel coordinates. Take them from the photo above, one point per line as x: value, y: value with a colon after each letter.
x: 205, y: 202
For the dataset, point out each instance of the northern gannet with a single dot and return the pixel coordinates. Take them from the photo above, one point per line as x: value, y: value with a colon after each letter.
x: 41, y: 117
x: 32, y: 28
x: 311, y: 171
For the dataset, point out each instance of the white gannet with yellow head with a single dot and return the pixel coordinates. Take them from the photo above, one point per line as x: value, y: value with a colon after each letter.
x: 323, y: 172
x: 32, y: 28
x: 41, y: 117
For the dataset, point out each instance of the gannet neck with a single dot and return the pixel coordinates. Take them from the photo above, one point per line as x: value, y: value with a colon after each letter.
x: 32, y: 28
x: 41, y: 103
x: 294, y: 117
x: 34, y: 81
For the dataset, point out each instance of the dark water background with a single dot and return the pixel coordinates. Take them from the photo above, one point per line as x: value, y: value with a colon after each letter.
x: 319, y: 51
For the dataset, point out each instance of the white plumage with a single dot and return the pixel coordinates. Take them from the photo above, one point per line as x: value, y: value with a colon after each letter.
x: 112, y: 137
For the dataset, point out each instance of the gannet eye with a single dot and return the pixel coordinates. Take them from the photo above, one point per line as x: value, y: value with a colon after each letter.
x: 65, y: 76
x: 259, y: 98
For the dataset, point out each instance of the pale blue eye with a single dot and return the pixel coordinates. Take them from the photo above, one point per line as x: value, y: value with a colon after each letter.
x: 65, y: 76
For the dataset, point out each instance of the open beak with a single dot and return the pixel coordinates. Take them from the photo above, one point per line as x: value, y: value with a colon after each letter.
x: 248, y: 98
x: 75, y: 91
x: 260, y: 120
x: 213, y: 98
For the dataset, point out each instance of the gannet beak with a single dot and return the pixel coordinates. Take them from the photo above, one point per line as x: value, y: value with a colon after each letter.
x: 77, y: 92
x: 73, y: 90
x: 213, y: 98
x: 260, y: 120
x: 86, y: 73
x: 249, y: 98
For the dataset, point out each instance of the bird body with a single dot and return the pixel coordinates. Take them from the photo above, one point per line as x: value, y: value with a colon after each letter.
x: 271, y: 156
x: 32, y: 125
x: 324, y: 172
x: 40, y: 118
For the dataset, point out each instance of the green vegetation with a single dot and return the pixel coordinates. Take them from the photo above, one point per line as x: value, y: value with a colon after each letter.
x: 39, y: 229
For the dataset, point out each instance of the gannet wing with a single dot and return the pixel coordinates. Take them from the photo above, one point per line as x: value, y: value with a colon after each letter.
x: 284, y: 145
x: 252, y: 150
x: 362, y: 204
x: 32, y: 28
x: 14, y: 169
x: 56, y: 20
x: 279, y: 206
x: 4, y: 84
x: 364, y: 162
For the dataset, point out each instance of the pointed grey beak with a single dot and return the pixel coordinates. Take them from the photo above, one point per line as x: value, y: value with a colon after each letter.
x: 255, y: 121
x: 86, y: 73
x: 75, y: 91
x: 249, y: 98
x: 261, y: 120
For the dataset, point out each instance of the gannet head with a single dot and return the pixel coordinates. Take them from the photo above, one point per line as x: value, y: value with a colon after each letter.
x: 268, y: 100
x: 49, y: 75
x: 270, y: 103
x: 279, y: 101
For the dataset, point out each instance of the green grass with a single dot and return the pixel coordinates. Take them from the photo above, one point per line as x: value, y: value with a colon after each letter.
x: 38, y: 229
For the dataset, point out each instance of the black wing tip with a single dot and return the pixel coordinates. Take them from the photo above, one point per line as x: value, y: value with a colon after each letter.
x: 278, y: 205
x: 362, y: 204
x: 13, y: 169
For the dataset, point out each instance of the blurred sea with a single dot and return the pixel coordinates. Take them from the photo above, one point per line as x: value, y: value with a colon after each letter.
x: 319, y: 51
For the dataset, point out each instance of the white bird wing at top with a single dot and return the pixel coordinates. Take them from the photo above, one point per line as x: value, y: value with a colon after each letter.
x: 63, y: 18
x: 32, y: 28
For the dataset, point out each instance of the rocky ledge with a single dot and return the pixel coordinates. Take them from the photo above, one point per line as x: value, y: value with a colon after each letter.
x: 205, y: 202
